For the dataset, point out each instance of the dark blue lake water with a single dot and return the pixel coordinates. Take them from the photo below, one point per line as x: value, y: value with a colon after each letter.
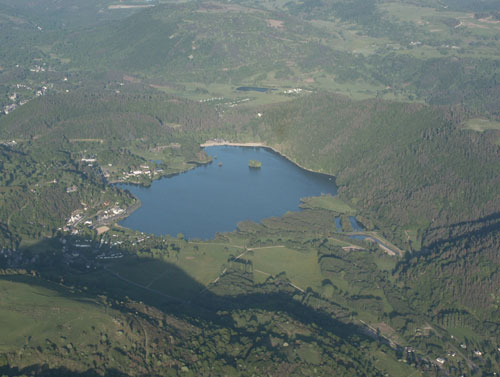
x: 213, y: 198
x: 252, y: 89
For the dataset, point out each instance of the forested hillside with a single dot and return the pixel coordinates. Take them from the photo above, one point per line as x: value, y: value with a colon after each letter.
x: 105, y: 114
x: 34, y: 198
x: 458, y: 275
x: 407, y: 164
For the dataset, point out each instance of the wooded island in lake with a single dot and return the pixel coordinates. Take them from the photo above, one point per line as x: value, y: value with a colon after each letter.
x: 254, y: 164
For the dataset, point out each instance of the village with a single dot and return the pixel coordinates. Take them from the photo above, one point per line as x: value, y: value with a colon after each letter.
x: 24, y: 93
x: 39, y: 79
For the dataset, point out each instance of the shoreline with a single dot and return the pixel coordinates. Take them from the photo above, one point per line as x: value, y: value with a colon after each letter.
x: 208, y: 143
x: 211, y: 143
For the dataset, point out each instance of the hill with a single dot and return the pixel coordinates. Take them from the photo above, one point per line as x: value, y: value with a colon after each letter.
x: 90, y: 335
x: 412, y: 166
x: 407, y: 164
x: 103, y: 114
x: 357, y: 48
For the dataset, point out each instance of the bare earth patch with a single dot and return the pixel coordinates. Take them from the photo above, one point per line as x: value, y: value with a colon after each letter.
x: 489, y: 20
x: 277, y: 24
x: 131, y: 79
x: 130, y: 6
x: 222, y: 8
x: 102, y: 229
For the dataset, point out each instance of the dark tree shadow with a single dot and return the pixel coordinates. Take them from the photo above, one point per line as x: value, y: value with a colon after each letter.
x: 45, y: 371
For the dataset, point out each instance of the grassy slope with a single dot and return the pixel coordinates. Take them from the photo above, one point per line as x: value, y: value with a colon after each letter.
x: 25, y: 308
x: 100, y: 336
x: 332, y: 203
x: 78, y: 324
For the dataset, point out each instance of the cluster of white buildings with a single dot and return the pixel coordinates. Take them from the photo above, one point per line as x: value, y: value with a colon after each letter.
x: 293, y: 91
x: 115, y: 211
x: 9, y: 108
x: 8, y: 143
x: 237, y: 102
x: 110, y: 256
x: 143, y: 170
x: 43, y: 90
x: 74, y: 219
x: 23, y: 86
x: 14, y: 97
x: 37, y: 69
x: 211, y: 99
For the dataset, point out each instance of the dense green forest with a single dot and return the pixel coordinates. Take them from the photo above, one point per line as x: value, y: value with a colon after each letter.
x: 443, y: 172
x: 399, y: 100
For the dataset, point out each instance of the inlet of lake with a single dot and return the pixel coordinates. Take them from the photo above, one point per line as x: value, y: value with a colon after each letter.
x: 213, y: 198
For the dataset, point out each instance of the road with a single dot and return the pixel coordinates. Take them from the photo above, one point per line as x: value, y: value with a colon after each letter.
x: 388, y: 247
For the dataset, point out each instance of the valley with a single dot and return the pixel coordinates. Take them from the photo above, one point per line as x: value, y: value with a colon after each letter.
x: 249, y: 188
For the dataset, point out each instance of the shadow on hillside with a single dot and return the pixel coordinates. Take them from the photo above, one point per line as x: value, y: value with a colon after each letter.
x: 126, y: 278
x: 45, y: 371
x: 437, y: 236
x: 187, y: 299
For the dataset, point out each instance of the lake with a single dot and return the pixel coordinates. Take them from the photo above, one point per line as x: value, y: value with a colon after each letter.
x: 252, y: 89
x: 212, y: 198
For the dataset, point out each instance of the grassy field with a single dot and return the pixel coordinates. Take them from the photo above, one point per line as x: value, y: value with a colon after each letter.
x: 301, y: 268
x: 25, y: 307
x: 396, y: 368
x: 226, y: 94
x: 186, y: 274
x: 329, y: 202
x: 481, y: 125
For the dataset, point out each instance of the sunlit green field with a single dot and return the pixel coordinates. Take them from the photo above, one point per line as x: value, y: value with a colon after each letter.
x: 26, y: 307
x: 481, y: 125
